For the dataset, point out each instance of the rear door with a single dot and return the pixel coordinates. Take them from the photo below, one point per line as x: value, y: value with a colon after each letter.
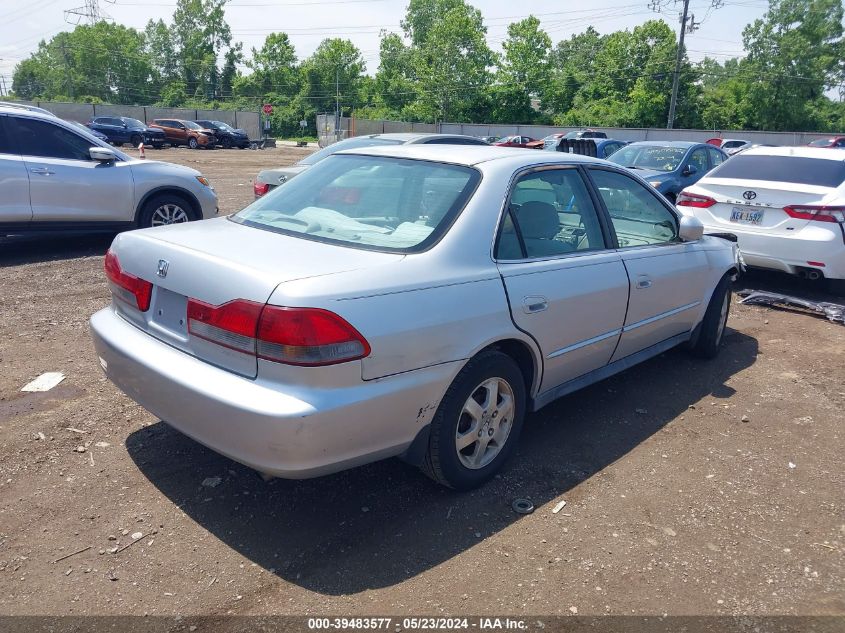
x: 668, y: 277
x: 14, y: 180
x: 566, y: 288
x: 751, y: 191
x: 65, y: 184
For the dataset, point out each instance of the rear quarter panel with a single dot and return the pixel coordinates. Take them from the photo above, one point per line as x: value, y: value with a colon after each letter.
x: 449, y: 316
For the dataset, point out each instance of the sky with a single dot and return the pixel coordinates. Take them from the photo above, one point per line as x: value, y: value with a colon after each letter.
x: 23, y: 23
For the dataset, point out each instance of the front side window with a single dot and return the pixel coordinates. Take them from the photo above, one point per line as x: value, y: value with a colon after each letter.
x: 550, y: 213
x: 698, y: 159
x: 40, y: 138
x: 638, y: 217
x: 369, y: 202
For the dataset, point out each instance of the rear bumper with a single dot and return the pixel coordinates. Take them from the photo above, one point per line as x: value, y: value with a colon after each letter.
x: 307, y: 432
x: 789, y: 254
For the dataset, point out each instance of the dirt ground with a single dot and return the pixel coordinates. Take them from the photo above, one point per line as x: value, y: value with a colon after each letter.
x: 692, y: 487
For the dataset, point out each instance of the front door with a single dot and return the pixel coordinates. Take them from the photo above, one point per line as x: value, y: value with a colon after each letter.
x: 668, y: 276
x: 65, y: 185
x: 565, y: 287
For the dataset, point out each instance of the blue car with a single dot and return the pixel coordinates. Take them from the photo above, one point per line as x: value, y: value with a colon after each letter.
x: 81, y: 126
x: 123, y: 129
x: 669, y: 166
x: 597, y: 147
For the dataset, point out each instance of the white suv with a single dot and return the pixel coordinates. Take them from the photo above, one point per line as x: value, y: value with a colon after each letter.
x: 56, y: 176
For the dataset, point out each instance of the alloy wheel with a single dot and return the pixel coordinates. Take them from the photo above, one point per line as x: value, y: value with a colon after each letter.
x: 485, y: 423
x: 168, y: 213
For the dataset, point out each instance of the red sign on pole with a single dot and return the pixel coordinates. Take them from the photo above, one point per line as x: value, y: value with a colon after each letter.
x: 268, y: 109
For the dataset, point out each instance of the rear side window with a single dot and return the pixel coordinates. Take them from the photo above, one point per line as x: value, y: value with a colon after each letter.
x: 40, y: 138
x: 817, y: 172
x: 550, y: 214
x: 7, y: 146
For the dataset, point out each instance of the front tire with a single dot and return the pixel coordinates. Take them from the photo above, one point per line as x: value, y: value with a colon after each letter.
x: 712, y: 327
x: 477, y: 425
x: 193, y: 143
x: 226, y: 142
x: 135, y: 140
x: 164, y: 209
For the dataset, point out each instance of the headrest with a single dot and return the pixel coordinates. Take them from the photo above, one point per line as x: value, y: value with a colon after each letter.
x: 538, y: 220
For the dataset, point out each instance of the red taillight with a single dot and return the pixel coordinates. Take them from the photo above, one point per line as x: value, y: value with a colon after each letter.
x: 696, y: 200
x: 308, y: 336
x: 294, y: 336
x: 231, y: 325
x: 260, y: 188
x: 128, y: 288
x: 819, y: 213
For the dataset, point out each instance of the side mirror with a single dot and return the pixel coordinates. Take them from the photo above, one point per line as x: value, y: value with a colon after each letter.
x: 691, y: 229
x: 690, y: 170
x: 102, y: 154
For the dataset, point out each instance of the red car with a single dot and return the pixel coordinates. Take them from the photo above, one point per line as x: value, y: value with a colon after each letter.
x: 515, y: 141
x: 837, y: 142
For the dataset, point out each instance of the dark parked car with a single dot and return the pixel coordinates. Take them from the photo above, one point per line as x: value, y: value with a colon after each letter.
x: 82, y: 126
x: 122, y: 129
x: 670, y: 166
x: 227, y: 136
x: 596, y: 147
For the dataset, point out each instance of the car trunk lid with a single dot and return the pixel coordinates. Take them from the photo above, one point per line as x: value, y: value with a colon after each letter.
x: 757, y: 205
x: 216, y: 262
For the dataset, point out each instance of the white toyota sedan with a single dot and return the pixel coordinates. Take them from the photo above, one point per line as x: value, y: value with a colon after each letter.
x: 786, y: 205
x: 410, y: 301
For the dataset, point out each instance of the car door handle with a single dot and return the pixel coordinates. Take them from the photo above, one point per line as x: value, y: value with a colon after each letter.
x: 42, y: 171
x: 643, y: 281
x: 531, y: 305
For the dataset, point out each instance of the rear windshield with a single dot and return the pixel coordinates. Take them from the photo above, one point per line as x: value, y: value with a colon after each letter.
x: 350, y: 143
x: 818, y: 172
x: 369, y: 202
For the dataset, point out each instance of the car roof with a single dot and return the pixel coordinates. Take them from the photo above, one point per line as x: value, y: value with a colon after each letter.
x: 801, y: 151
x: 681, y: 144
x: 415, y: 137
x: 471, y: 154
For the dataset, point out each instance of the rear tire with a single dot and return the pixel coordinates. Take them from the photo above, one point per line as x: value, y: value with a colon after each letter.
x: 164, y: 209
x: 477, y: 425
x: 713, y: 325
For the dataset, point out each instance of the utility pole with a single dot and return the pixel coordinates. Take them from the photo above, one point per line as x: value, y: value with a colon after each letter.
x: 673, y: 101
x: 337, y: 103
x: 688, y: 25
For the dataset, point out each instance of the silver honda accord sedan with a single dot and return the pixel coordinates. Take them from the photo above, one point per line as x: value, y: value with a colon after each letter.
x: 412, y: 301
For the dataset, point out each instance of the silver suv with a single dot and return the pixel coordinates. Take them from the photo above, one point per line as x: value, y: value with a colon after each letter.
x: 56, y: 176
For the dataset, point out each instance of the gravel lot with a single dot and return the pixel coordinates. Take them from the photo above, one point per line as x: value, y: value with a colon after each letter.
x: 692, y: 487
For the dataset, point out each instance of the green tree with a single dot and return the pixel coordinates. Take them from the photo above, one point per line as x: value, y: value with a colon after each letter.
x: 103, y: 61
x: 335, y: 68
x: 394, y: 88
x: 450, y: 59
x: 274, y: 70
x: 201, y: 34
x: 794, y: 53
x: 571, y: 66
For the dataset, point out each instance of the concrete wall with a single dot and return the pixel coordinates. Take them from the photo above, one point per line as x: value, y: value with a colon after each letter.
x: 84, y: 112
x: 362, y: 127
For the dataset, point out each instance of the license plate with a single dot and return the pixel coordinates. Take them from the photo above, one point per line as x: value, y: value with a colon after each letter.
x: 745, y: 216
